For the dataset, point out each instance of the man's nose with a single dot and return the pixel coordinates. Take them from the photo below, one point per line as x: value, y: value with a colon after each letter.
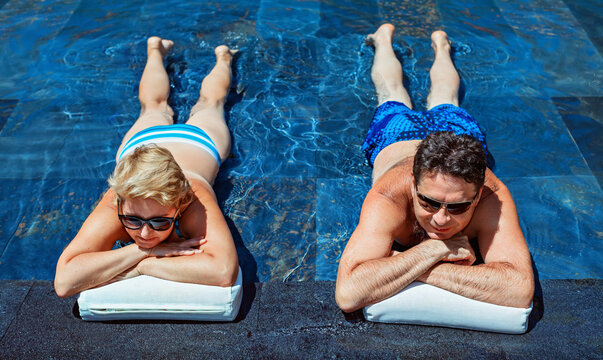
x: 441, y: 217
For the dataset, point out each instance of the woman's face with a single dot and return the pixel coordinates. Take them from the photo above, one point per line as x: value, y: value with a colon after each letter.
x: 147, y: 209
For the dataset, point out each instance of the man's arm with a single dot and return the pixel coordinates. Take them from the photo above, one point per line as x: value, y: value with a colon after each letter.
x: 368, y: 273
x: 506, y: 277
x: 217, y: 264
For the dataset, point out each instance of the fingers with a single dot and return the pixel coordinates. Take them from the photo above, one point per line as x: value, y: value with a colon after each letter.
x: 178, y: 252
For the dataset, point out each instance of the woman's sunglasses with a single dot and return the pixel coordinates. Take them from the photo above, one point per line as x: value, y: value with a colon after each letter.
x: 433, y: 205
x: 156, y: 223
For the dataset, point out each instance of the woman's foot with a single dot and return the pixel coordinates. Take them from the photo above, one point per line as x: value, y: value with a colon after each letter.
x: 440, y: 41
x: 155, y: 43
x: 383, y: 35
x: 224, y: 53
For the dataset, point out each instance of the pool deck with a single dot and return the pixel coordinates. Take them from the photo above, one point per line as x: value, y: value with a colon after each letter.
x: 294, y: 320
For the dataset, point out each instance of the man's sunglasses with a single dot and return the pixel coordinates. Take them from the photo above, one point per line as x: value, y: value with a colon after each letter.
x: 433, y: 205
x: 156, y: 223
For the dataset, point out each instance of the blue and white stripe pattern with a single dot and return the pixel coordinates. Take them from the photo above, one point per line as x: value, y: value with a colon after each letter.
x: 179, y: 133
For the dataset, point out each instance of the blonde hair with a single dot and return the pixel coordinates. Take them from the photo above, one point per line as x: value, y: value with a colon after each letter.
x: 151, y: 172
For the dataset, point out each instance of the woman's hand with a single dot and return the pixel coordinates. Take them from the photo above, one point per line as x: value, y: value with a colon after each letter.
x: 177, y: 248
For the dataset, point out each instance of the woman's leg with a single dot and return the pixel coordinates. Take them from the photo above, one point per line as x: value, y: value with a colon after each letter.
x: 444, y: 77
x: 387, y: 71
x: 208, y: 112
x: 154, y: 90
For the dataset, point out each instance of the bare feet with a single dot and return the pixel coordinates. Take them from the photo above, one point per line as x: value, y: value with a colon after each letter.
x: 224, y: 53
x: 383, y: 35
x: 440, y: 41
x: 157, y: 43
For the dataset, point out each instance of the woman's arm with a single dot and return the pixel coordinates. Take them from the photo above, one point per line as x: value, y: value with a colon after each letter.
x: 218, y: 263
x: 88, y: 260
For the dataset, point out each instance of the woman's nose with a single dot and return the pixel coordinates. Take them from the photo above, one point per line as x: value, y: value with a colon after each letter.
x: 145, y: 230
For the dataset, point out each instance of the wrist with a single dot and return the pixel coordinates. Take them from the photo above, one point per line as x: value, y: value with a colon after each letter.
x: 142, y: 266
x: 437, y: 249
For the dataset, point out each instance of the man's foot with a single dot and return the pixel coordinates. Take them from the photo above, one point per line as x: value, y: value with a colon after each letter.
x: 383, y: 35
x: 157, y: 43
x: 440, y: 41
x: 224, y: 53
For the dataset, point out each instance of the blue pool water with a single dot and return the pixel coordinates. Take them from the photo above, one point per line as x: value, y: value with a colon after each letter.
x: 299, y: 108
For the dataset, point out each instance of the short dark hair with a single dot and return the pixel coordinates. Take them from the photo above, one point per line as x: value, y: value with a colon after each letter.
x: 447, y: 153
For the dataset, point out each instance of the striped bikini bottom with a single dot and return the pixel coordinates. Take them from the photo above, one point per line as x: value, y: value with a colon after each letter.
x: 177, y: 133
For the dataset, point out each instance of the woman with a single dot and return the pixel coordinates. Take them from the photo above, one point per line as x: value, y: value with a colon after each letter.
x: 161, y: 197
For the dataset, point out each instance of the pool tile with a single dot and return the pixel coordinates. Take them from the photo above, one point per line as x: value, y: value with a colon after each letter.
x: 583, y: 118
x: 415, y: 19
x: 589, y: 19
x: 28, y: 159
x: 25, y: 28
x: 276, y: 121
x: 337, y: 213
x: 286, y: 19
x: 16, y: 201
x: 552, y: 31
x: 55, y: 212
x: 561, y: 220
x: 275, y: 218
x: 348, y: 17
x: 6, y: 109
x: 527, y: 137
x: 491, y: 59
x: 342, y: 127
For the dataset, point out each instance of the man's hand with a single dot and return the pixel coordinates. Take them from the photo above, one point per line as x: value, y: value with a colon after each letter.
x: 457, y: 249
x: 177, y: 248
x: 461, y: 252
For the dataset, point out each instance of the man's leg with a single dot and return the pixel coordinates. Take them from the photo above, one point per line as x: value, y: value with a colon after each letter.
x: 387, y: 77
x: 154, y: 90
x: 387, y: 71
x: 208, y: 112
x: 444, y: 77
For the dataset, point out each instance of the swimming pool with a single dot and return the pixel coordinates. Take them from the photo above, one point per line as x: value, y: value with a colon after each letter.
x: 300, y: 105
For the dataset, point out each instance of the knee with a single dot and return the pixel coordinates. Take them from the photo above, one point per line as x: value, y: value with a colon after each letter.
x: 210, y: 102
x: 159, y: 105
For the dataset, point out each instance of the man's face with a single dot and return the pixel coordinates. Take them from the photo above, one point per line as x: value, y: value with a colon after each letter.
x: 439, y: 221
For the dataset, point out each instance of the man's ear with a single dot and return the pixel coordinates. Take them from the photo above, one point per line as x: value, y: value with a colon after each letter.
x: 481, y: 190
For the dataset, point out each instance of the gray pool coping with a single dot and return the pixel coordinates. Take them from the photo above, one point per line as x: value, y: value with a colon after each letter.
x: 293, y: 320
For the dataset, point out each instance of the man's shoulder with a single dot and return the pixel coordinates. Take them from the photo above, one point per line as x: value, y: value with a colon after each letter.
x: 391, y: 196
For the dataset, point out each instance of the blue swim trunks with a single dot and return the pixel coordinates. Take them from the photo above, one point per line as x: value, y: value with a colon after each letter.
x: 394, y: 121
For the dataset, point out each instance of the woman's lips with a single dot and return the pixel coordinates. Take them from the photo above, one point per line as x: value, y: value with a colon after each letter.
x: 145, y: 241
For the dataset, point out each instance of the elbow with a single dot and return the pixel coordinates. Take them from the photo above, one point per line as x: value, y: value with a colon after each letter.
x: 227, y: 276
x: 344, y: 300
x: 525, y: 293
x: 62, y: 289
x: 521, y: 290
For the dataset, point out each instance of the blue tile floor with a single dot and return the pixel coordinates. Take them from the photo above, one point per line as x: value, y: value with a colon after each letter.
x: 299, y: 108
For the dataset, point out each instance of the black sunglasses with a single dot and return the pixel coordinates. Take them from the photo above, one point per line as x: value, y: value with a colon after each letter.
x: 433, y: 205
x: 157, y: 223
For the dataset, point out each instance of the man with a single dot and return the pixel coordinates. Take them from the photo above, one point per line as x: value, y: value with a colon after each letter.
x: 431, y: 204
